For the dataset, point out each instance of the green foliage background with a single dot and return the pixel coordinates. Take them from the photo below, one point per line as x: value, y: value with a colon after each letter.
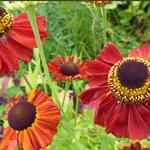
x: 76, y: 28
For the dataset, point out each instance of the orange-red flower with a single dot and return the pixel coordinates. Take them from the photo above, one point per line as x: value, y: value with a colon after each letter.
x: 17, y: 39
x: 101, y: 3
x: 67, y: 68
x: 32, y: 122
x: 120, y: 89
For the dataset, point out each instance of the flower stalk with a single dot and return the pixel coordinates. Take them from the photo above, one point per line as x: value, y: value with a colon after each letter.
x: 32, y: 17
x: 104, y: 20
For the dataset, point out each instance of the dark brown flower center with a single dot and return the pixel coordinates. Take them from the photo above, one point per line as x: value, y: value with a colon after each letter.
x: 22, y: 115
x: 69, y: 69
x: 2, y: 11
x: 6, y: 21
x: 129, y: 80
x: 132, y: 74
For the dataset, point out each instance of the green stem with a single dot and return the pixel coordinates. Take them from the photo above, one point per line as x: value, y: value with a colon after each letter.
x: 43, y: 80
x: 26, y: 80
x: 104, y: 17
x: 67, y: 86
x: 32, y: 17
x: 37, y: 58
x: 28, y: 83
x: 76, y: 89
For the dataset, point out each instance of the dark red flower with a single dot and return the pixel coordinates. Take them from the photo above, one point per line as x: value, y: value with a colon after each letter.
x: 101, y: 3
x: 67, y: 68
x: 17, y: 39
x: 120, y: 88
x: 134, y: 146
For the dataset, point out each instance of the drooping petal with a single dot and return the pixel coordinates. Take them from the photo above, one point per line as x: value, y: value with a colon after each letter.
x: 134, y: 53
x: 96, y: 67
x: 53, y: 66
x: 137, y: 126
x: 9, y: 135
x: 8, y: 59
x: 145, y: 51
x: 104, y: 110
x: 27, y: 142
x: 142, y: 52
x: 21, y: 52
x: 113, y: 116
x: 122, y: 119
x: 34, y: 140
x: 97, y: 80
x: 22, y: 31
x: 12, y: 145
x: 46, y: 136
x: 93, y: 94
x: 110, y: 54
x: 118, y: 120
x: 17, y: 43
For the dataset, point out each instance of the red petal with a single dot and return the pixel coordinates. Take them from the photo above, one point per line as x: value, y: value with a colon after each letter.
x: 145, y: 51
x: 12, y: 145
x: 43, y: 138
x: 53, y: 67
x: 93, y: 94
x: 21, y: 18
x: 110, y: 54
x: 8, y: 59
x: 118, y: 120
x: 113, y: 116
x: 33, y: 139
x: 137, y: 126
x: 58, y: 77
x: 9, y: 135
x: 26, y: 143
x: 104, y: 110
x: 21, y: 52
x: 124, y: 120
x: 97, y: 80
x: 96, y: 67
x: 134, y: 53
x: 82, y: 68
x: 22, y: 30
x: 25, y: 38
x: 142, y: 52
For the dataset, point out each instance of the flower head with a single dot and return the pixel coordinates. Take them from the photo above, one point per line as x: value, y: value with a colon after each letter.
x: 120, y: 88
x: 67, y: 68
x: 32, y: 122
x: 134, y: 146
x: 101, y: 3
x: 17, y: 39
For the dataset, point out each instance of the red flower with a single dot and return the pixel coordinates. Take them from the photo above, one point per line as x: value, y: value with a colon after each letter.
x: 67, y: 68
x: 134, y: 146
x: 101, y: 3
x: 17, y: 39
x: 32, y: 122
x: 120, y: 87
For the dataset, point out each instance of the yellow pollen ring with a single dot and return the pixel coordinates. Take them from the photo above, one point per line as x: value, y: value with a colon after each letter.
x: 128, y: 95
x: 6, y: 23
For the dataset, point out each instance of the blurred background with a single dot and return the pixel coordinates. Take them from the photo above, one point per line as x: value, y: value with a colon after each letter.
x: 82, y: 29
